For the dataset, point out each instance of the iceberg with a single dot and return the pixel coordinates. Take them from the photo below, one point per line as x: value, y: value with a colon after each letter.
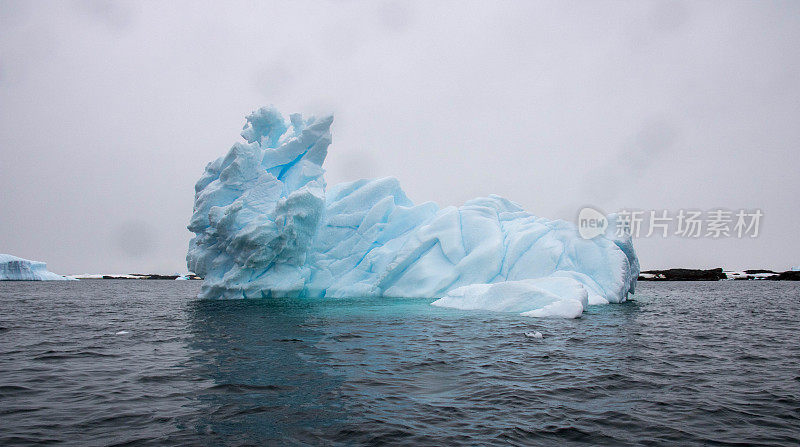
x: 265, y: 224
x: 13, y: 268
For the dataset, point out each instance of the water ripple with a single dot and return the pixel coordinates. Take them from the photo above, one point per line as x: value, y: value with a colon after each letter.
x: 685, y: 363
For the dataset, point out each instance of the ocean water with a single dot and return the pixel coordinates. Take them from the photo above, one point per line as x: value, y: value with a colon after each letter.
x: 144, y: 363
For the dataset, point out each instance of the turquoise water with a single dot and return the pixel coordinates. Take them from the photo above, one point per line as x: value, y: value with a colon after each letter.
x: 144, y: 363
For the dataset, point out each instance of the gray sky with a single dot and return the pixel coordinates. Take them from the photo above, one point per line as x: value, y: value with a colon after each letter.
x: 110, y: 111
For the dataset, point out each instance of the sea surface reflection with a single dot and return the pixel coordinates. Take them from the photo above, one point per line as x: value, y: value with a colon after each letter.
x: 145, y: 363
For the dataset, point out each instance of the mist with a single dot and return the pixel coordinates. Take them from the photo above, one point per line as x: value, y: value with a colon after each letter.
x: 109, y: 112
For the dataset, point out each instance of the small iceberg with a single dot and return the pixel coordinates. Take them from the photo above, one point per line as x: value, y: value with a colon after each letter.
x: 13, y: 268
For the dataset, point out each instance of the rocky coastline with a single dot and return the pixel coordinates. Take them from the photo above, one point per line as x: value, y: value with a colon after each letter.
x: 718, y: 274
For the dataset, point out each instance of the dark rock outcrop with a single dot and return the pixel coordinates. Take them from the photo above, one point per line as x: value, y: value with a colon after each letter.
x: 716, y: 275
x: 791, y: 275
x: 683, y: 275
x: 148, y: 276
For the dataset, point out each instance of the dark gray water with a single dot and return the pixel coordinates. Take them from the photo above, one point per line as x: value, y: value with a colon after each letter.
x: 683, y: 364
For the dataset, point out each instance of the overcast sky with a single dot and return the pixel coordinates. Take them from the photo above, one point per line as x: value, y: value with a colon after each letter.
x: 110, y: 111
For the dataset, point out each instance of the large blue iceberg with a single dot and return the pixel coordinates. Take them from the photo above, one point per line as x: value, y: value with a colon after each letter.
x: 13, y: 268
x: 266, y: 226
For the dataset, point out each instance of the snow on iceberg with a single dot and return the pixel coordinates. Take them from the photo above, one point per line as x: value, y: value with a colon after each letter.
x: 266, y: 225
x: 13, y: 268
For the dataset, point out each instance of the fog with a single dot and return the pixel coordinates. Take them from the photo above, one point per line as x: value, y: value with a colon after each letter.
x: 110, y: 111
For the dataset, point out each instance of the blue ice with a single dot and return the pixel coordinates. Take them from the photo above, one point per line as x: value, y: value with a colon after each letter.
x: 266, y: 224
